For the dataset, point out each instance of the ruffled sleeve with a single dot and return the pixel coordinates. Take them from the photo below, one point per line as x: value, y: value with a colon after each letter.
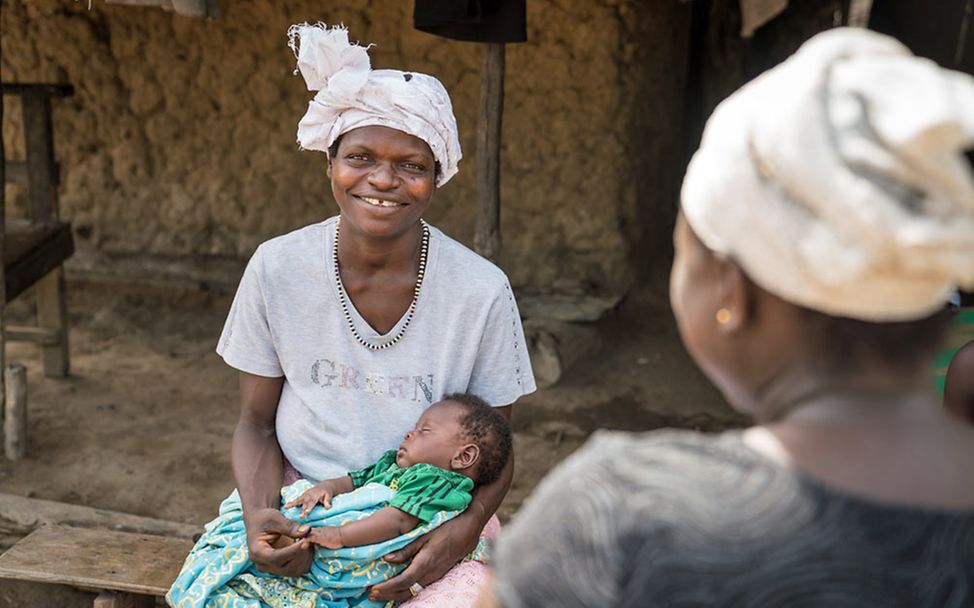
x: 425, y: 490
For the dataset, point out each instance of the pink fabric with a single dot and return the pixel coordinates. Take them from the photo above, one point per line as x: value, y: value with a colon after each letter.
x: 290, y: 473
x: 459, y: 588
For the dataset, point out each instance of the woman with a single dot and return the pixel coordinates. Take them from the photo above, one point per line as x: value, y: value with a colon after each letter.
x: 345, y: 331
x: 825, y: 217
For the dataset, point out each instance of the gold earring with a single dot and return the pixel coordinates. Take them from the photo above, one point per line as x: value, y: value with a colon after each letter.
x: 723, y: 316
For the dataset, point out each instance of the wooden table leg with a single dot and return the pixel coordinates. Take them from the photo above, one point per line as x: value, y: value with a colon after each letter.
x: 52, y: 313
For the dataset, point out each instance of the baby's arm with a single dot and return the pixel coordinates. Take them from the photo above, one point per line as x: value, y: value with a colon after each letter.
x: 384, y: 524
x: 322, y: 493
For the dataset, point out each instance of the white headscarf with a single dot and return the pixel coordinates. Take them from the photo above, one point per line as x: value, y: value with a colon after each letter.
x: 351, y: 95
x: 837, y: 179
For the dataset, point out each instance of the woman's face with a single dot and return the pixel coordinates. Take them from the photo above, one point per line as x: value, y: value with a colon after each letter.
x: 382, y: 179
x: 696, y: 294
x: 689, y: 288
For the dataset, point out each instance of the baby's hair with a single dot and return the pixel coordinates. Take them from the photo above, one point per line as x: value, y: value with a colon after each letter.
x: 486, y: 427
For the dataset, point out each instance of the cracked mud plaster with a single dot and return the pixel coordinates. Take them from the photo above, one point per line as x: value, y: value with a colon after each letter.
x: 180, y: 139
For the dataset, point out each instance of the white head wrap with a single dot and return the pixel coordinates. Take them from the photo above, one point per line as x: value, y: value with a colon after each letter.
x: 351, y: 95
x: 837, y: 179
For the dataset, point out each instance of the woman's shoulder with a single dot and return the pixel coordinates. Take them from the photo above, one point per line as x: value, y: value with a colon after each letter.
x: 652, y: 474
x: 459, y: 261
x: 690, y: 447
x: 310, y: 236
x: 289, y: 253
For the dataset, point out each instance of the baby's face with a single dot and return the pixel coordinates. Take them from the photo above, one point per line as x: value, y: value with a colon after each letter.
x: 436, y: 439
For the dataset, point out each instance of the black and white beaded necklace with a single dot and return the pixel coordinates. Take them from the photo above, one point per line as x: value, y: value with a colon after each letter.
x: 344, y: 299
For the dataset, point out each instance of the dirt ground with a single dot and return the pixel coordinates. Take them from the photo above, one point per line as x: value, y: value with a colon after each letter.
x: 144, y: 422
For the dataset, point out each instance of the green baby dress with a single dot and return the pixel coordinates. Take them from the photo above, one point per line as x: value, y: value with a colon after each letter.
x: 422, y: 490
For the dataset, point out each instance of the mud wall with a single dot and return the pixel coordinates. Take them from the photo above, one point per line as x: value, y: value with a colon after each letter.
x: 180, y: 139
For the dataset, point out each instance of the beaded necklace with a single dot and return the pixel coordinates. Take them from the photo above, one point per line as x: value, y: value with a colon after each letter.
x: 344, y: 299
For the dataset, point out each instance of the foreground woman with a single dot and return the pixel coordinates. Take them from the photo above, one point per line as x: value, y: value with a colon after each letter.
x: 346, y: 331
x: 825, y: 218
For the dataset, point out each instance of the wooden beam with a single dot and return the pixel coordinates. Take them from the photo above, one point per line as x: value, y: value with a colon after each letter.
x: 197, y: 9
x: 32, y: 252
x: 15, y: 172
x: 39, y: 142
x: 28, y: 333
x: 487, y: 240
x: 167, y: 4
x: 857, y: 12
x: 20, y: 516
x: 3, y: 272
x: 37, y: 88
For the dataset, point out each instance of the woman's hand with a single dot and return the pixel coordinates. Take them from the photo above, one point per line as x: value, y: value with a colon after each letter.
x: 314, y: 495
x: 264, y: 528
x: 433, y: 555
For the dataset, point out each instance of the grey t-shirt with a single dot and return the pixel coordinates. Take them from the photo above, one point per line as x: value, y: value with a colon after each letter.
x: 681, y: 519
x: 343, y: 404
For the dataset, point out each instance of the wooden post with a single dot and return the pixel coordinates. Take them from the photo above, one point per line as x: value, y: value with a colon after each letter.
x: 15, y: 408
x: 40, y: 157
x: 487, y: 240
x: 197, y: 9
x: 856, y: 12
x: 3, y: 274
x: 52, y: 314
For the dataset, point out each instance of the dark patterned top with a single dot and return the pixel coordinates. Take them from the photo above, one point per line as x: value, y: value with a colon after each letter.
x: 684, y: 519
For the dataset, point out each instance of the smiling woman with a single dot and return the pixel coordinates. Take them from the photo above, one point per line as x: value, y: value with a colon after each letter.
x: 382, y: 180
x: 346, y: 331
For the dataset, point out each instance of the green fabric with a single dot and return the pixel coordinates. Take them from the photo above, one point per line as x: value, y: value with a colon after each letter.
x: 422, y: 490
x: 364, y: 476
x: 961, y: 331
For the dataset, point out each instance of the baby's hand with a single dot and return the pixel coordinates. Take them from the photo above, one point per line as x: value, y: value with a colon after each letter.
x: 329, y: 537
x: 311, y: 497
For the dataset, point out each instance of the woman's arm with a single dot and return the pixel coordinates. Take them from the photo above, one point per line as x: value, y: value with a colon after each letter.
x: 384, y: 524
x: 435, y: 553
x: 258, y: 470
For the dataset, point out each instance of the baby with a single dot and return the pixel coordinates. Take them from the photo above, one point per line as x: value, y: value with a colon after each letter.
x: 457, y: 443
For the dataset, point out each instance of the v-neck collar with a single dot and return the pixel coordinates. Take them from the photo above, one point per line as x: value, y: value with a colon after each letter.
x: 362, y: 326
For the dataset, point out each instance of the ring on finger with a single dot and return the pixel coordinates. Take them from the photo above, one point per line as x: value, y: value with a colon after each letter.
x: 415, y: 588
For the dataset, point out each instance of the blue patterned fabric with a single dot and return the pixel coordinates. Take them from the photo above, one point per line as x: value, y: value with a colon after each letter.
x: 219, y: 574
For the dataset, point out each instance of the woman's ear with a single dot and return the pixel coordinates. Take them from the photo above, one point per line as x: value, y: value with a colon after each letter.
x: 466, y: 457
x: 328, y: 168
x: 735, y: 297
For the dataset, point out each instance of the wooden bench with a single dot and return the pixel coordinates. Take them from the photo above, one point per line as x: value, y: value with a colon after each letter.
x: 128, y: 570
